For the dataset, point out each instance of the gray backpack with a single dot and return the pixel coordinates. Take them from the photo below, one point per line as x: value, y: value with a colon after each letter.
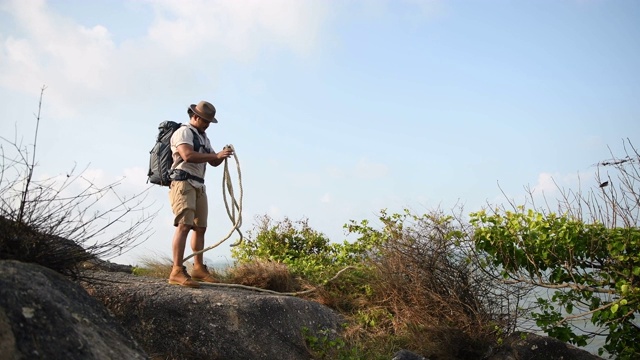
x: 161, y: 160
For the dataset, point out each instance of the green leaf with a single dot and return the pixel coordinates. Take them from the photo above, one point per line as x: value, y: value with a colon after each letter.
x: 614, y: 308
x: 624, y: 289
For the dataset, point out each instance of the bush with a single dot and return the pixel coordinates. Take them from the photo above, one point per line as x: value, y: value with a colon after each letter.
x: 306, y: 252
x: 415, y: 284
x: 428, y: 290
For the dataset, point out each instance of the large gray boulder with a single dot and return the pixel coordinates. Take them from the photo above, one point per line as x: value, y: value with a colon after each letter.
x: 43, y: 315
x: 212, y: 322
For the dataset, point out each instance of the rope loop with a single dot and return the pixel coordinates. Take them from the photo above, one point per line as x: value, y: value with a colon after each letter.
x: 232, y: 205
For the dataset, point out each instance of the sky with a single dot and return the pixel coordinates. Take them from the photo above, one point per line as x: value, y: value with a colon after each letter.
x: 336, y: 109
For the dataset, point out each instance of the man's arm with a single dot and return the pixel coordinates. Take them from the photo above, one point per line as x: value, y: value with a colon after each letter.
x: 214, y: 159
x: 220, y: 156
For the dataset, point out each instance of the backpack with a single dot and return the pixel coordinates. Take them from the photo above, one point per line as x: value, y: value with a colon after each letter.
x: 161, y: 158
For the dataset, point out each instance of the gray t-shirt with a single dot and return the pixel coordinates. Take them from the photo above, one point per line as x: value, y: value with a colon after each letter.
x: 185, y: 136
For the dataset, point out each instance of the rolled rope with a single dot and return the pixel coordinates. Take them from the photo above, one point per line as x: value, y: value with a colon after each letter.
x: 235, y: 210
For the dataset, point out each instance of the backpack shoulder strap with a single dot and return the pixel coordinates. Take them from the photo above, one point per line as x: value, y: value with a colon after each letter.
x: 196, y: 140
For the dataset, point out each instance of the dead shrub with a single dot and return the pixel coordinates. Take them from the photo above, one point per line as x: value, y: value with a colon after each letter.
x: 24, y: 243
x: 429, y: 292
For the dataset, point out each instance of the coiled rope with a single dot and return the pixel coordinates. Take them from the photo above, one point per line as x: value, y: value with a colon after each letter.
x: 234, y: 211
x: 232, y: 205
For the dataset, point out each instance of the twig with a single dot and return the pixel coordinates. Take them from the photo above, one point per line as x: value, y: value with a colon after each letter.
x: 31, y: 165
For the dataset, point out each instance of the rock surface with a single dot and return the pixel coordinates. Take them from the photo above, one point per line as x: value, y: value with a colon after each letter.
x: 407, y: 355
x: 43, y: 315
x: 212, y: 322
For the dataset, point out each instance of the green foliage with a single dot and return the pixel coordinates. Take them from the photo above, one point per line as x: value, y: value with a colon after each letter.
x: 328, y: 346
x: 139, y: 271
x: 594, y: 269
x: 412, y: 286
x: 305, y: 251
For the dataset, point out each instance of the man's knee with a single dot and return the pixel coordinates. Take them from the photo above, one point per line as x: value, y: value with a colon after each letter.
x: 183, y: 228
x: 200, y: 229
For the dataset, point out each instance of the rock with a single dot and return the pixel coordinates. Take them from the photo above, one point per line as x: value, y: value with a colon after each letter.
x: 43, y: 315
x: 407, y: 355
x: 104, y: 265
x: 528, y: 346
x: 212, y: 322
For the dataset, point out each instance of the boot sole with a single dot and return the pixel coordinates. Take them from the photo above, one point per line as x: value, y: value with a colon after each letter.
x: 196, y: 285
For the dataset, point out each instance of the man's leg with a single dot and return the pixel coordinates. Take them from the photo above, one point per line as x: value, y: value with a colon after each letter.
x: 197, y: 244
x: 183, y: 199
x: 200, y: 271
x: 179, y: 243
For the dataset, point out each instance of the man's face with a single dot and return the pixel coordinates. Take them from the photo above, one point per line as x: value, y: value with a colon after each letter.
x: 202, y: 123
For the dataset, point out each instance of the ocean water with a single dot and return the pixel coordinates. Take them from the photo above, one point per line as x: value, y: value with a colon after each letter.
x: 584, y: 324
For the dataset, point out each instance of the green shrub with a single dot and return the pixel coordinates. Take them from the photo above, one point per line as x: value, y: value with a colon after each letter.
x: 305, y: 251
x: 594, y: 271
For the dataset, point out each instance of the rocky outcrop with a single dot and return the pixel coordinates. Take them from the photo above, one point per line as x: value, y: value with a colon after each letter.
x: 43, y: 315
x: 102, y: 265
x: 212, y: 322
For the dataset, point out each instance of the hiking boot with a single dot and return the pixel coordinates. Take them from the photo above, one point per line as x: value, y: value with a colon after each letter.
x: 201, y: 273
x: 179, y: 276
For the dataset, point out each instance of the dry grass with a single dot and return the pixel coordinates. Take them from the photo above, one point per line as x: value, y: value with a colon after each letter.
x: 263, y: 274
x: 260, y: 274
x: 158, y: 266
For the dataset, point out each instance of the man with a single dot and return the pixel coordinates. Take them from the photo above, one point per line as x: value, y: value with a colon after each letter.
x: 188, y: 195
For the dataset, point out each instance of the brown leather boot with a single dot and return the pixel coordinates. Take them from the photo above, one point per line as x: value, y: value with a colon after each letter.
x: 179, y: 276
x: 201, y: 273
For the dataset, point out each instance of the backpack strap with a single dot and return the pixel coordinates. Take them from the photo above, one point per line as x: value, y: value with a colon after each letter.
x: 196, y: 143
x: 196, y: 140
x: 181, y: 175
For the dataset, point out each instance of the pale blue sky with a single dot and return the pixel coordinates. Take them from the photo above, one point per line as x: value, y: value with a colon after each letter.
x: 337, y: 109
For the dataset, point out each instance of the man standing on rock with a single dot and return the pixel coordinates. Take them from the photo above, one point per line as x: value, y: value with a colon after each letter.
x: 191, y: 151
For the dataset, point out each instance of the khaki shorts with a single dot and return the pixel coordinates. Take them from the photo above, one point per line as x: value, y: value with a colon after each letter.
x: 189, y: 204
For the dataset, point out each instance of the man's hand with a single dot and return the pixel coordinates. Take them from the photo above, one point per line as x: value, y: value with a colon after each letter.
x: 220, y: 156
x: 225, y: 153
